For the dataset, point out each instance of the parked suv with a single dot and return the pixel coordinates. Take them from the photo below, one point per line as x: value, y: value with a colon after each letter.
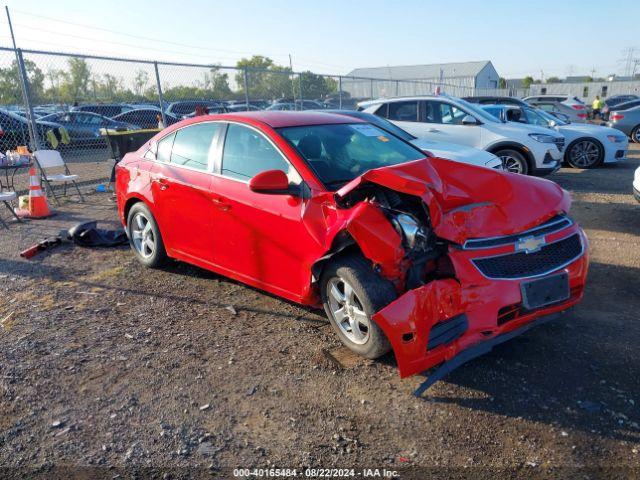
x: 525, y: 149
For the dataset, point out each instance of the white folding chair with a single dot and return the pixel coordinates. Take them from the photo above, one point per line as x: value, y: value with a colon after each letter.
x: 6, y: 197
x: 47, y: 159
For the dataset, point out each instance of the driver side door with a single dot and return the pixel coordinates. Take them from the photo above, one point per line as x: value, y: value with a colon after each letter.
x: 259, y: 238
x: 448, y: 127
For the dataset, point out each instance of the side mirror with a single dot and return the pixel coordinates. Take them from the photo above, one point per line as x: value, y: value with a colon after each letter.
x: 270, y: 181
x: 469, y: 120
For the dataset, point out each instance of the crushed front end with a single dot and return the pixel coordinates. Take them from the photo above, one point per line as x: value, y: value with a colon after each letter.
x: 480, y: 259
x: 498, y: 286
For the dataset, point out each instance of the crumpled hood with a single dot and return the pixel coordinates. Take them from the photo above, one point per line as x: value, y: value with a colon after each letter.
x: 466, y: 201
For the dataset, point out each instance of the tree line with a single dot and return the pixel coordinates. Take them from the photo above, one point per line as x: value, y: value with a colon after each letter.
x: 79, y: 83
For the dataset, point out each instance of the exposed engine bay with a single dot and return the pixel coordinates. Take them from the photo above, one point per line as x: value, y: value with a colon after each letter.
x: 425, y: 254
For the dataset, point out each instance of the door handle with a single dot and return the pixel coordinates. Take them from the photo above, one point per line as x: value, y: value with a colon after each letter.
x: 434, y: 130
x: 221, y: 204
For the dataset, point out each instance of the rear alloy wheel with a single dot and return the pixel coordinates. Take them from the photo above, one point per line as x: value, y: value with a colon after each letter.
x: 513, y: 161
x: 635, y: 134
x: 144, y: 236
x: 585, y: 153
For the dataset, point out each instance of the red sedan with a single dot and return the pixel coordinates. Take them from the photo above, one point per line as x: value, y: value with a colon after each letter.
x: 433, y: 259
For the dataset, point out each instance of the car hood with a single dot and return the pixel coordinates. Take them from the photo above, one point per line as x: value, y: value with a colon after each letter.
x: 452, y: 151
x: 465, y: 201
x: 525, y: 128
x: 588, y: 129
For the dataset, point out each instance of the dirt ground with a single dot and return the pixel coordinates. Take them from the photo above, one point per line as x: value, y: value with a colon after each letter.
x: 108, y: 369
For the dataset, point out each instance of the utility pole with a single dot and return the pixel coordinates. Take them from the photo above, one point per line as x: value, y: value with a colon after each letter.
x: 293, y: 88
x: 24, y: 86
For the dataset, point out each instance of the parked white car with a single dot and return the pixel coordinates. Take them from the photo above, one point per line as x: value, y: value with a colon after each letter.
x: 588, y: 145
x: 525, y: 149
x: 636, y: 184
x: 450, y: 151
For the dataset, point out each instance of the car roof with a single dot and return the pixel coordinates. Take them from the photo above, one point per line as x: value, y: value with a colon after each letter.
x: 278, y: 118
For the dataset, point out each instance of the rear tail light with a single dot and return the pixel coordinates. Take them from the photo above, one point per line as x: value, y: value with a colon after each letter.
x: 617, y: 116
x: 577, y: 106
x: 582, y: 115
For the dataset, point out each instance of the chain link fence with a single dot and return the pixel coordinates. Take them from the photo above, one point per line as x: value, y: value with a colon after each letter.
x: 65, y: 101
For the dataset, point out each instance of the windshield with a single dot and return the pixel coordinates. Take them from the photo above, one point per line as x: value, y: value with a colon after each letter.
x: 548, y: 117
x: 341, y: 152
x: 478, y: 111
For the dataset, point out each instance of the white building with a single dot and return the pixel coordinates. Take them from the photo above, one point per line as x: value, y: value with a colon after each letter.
x: 467, y: 78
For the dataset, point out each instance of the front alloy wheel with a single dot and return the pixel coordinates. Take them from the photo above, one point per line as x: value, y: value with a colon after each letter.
x: 585, y: 154
x: 513, y: 161
x: 347, y: 311
x: 635, y: 134
x: 352, y: 292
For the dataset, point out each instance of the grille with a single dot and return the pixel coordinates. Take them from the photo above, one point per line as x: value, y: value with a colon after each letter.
x: 555, y: 224
x: 521, y: 264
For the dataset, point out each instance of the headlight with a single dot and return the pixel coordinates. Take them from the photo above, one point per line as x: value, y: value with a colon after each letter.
x: 409, y: 228
x: 616, y: 138
x: 543, y: 137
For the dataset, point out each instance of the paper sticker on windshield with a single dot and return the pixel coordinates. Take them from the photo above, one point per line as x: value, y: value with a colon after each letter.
x: 368, y: 130
x: 382, y: 138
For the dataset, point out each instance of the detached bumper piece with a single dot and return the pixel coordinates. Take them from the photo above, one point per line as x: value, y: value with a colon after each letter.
x: 474, y: 352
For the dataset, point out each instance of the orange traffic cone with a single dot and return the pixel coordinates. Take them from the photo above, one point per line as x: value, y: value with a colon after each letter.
x: 38, y: 206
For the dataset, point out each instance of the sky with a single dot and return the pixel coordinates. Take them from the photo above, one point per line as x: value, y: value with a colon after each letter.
x: 538, y: 38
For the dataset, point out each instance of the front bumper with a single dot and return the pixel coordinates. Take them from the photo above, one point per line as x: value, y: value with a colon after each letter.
x: 490, y: 307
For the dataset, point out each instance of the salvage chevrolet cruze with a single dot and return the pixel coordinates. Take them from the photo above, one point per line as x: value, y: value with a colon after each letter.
x: 427, y: 257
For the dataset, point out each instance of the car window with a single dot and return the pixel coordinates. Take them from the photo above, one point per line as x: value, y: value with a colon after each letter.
x: 247, y: 153
x: 163, y: 150
x: 450, y: 114
x: 403, y: 111
x: 94, y: 120
x: 193, y: 144
x: 547, y: 107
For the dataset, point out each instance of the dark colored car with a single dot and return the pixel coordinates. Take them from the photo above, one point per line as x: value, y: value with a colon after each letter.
x: 106, y: 110
x: 145, y: 118
x: 14, y: 130
x: 422, y: 256
x: 84, y: 127
x: 185, y: 107
x: 496, y: 100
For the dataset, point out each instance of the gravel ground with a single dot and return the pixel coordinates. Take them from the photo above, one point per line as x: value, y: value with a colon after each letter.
x: 109, y: 369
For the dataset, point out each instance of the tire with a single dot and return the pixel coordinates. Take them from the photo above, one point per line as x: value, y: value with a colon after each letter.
x: 513, y: 161
x: 635, y: 134
x: 367, y: 294
x: 584, y: 153
x: 144, y: 236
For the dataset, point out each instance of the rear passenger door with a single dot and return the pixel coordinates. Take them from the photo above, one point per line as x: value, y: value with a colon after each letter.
x: 181, y: 186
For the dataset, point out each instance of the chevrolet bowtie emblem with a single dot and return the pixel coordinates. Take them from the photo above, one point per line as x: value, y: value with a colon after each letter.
x: 530, y: 244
